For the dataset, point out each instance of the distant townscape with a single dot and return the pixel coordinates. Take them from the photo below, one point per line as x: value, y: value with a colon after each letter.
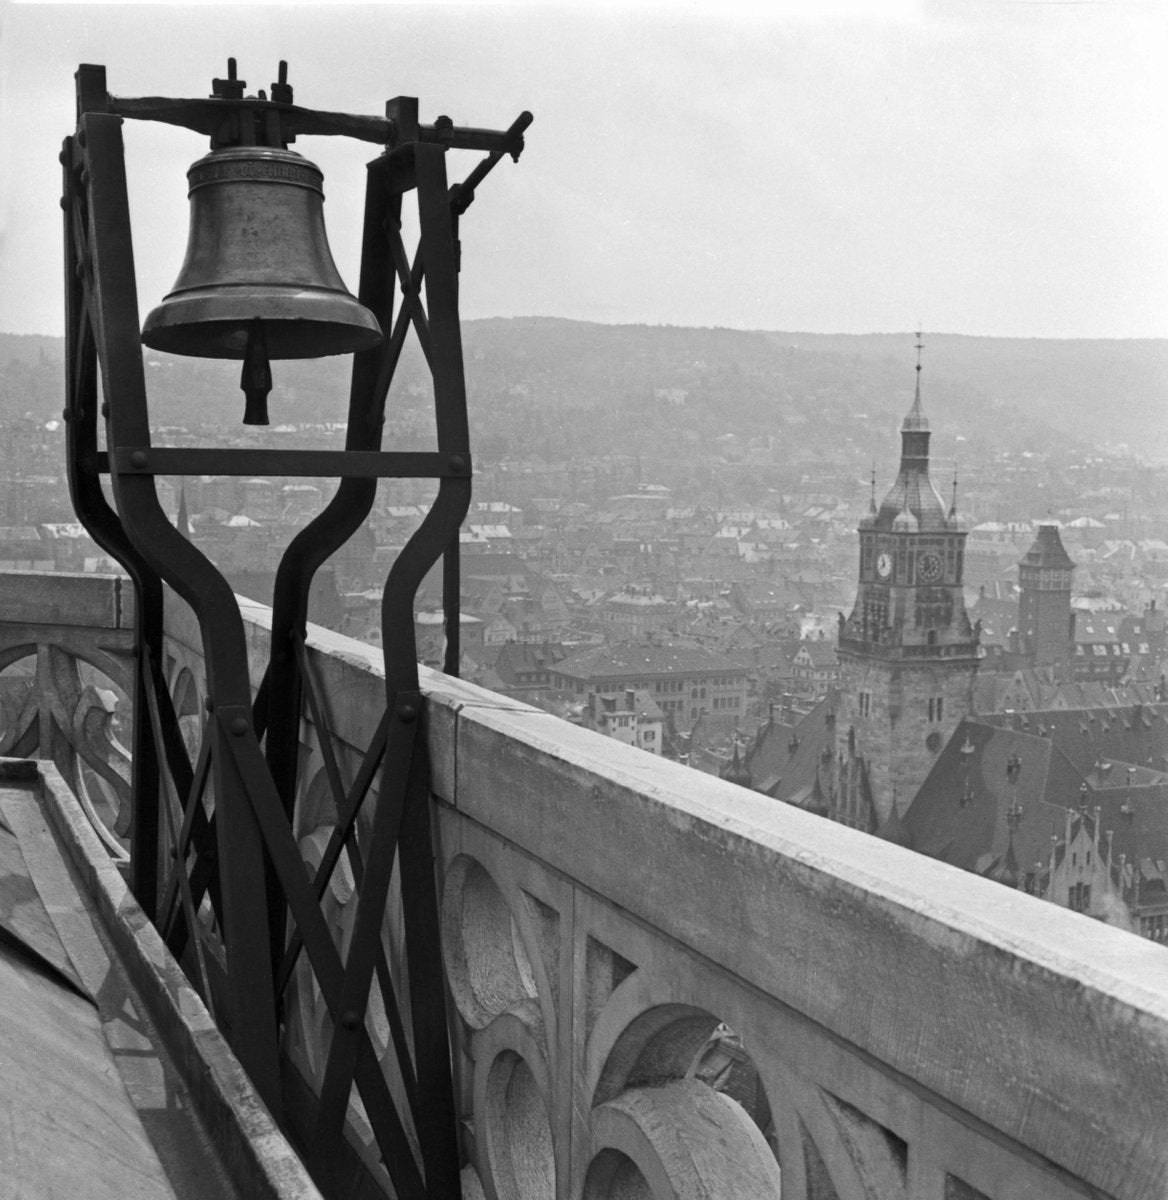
x: 708, y: 544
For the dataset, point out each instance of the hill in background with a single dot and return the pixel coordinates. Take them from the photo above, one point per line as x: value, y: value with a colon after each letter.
x: 557, y: 387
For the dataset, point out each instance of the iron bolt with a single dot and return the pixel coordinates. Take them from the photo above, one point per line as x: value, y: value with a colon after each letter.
x: 239, y: 726
x: 139, y: 459
x: 105, y: 408
x: 457, y: 463
x: 407, y: 714
x: 351, y: 1020
x: 209, y: 704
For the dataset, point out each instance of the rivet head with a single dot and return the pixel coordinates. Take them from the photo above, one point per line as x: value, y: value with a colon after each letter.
x: 407, y: 713
x: 105, y: 408
x: 139, y: 459
x: 351, y: 1020
x: 239, y: 726
x: 457, y: 463
x: 209, y: 704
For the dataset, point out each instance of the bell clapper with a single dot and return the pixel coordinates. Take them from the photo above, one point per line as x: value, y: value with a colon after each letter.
x: 256, y: 376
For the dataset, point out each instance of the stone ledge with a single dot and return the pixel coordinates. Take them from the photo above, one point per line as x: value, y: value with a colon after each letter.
x: 255, y: 1153
x: 66, y: 598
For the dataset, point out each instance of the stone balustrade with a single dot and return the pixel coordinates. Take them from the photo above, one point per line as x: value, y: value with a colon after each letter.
x: 66, y: 670
x: 665, y: 986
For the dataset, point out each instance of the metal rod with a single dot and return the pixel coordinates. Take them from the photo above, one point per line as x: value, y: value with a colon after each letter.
x: 256, y: 784
x: 100, y: 520
x: 341, y: 517
x: 173, y: 826
x: 172, y: 557
x: 341, y: 836
x: 207, y: 115
x: 347, y: 464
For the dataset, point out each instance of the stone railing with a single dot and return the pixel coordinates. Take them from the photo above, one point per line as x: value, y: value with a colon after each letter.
x: 66, y: 669
x: 662, y: 985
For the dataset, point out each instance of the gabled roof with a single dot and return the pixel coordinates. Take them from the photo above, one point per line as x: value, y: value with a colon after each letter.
x: 636, y: 659
x: 785, y: 760
x: 961, y: 812
x: 1016, y: 777
x: 1136, y: 734
x: 519, y: 658
x: 1047, y: 552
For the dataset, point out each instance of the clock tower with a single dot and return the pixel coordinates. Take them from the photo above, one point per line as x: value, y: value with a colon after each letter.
x: 907, y: 653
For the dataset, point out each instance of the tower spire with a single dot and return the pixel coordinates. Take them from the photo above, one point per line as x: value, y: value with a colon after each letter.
x: 182, y: 520
x: 916, y: 415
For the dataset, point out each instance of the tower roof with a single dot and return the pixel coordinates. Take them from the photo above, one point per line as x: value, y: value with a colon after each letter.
x: 913, y: 504
x: 1048, y: 551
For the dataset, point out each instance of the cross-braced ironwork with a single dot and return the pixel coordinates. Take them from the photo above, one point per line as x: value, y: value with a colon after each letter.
x: 214, y: 860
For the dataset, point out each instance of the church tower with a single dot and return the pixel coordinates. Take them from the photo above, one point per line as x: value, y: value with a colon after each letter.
x: 1045, y: 617
x: 908, y: 654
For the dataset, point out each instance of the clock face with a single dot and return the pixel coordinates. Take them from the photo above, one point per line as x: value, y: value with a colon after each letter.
x: 884, y: 565
x: 929, y: 568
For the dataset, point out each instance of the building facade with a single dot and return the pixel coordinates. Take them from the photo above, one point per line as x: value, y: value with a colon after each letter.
x: 1045, y: 617
x: 908, y: 654
x: 686, y: 683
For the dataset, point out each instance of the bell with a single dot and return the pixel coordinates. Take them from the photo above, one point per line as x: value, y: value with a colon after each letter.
x: 258, y: 280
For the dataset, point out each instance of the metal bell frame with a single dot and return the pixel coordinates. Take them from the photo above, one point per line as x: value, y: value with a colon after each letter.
x: 235, y: 856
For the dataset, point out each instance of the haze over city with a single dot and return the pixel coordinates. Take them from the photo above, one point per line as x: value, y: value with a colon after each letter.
x: 991, y: 168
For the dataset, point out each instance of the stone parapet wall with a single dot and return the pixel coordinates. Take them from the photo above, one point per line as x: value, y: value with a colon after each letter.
x: 914, y: 1029
x: 665, y: 985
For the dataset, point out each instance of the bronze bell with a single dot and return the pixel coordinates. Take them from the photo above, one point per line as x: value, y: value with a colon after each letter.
x: 258, y: 280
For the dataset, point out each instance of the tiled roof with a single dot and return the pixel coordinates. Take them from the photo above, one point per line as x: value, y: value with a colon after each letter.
x: 634, y: 659
x: 1032, y: 768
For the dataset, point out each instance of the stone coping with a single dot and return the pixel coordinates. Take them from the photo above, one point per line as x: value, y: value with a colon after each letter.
x: 254, y: 1152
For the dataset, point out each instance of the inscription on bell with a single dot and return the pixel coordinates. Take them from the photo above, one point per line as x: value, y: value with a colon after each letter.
x: 241, y: 169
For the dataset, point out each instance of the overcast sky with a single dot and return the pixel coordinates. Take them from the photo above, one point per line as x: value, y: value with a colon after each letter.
x: 998, y: 167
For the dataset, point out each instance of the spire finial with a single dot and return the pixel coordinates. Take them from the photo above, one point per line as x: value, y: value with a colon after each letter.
x: 920, y: 347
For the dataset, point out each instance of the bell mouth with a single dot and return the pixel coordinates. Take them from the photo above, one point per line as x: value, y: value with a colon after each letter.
x: 205, y: 323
